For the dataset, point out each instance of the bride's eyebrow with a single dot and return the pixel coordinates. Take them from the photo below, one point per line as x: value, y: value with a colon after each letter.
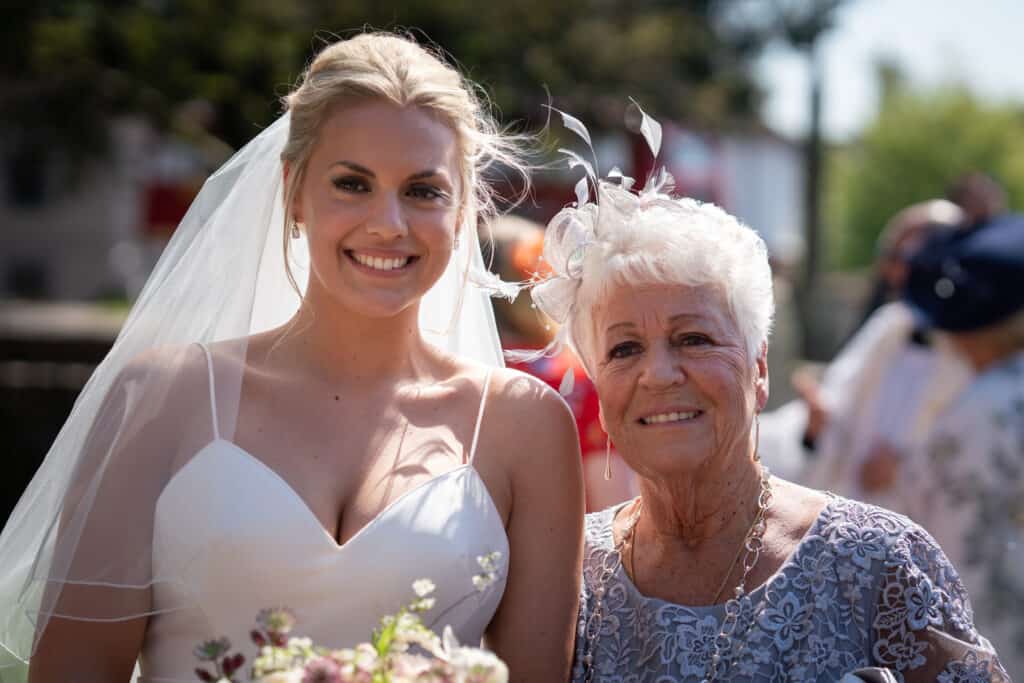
x: 358, y: 168
x: 362, y: 170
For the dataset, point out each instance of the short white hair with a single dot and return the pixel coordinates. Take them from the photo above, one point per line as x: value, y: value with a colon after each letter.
x: 672, y: 241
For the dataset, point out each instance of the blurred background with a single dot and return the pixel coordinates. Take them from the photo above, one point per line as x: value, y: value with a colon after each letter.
x: 814, y: 121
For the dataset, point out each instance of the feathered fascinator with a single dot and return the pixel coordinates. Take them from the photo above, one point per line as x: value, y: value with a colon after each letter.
x: 585, y: 224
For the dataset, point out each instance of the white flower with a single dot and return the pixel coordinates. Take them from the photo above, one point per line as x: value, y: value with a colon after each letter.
x: 490, y: 563
x: 300, y: 644
x: 423, y: 587
x: 293, y: 676
x: 471, y: 665
x: 422, y: 605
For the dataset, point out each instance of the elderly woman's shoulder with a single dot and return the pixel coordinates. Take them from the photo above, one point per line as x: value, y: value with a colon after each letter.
x: 597, y: 527
x: 867, y: 532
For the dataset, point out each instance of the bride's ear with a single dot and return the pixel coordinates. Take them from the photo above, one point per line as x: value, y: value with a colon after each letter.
x: 295, y: 210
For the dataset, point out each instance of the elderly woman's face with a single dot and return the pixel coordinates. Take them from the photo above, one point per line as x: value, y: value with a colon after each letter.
x: 676, y: 384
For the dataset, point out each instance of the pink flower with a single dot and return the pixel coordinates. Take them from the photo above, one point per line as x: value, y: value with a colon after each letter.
x: 322, y: 670
x: 409, y: 667
x: 358, y: 665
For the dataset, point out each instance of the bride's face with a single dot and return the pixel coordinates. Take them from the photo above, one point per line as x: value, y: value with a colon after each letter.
x: 380, y: 205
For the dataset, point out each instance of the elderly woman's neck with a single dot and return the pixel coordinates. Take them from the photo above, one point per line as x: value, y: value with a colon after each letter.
x: 719, y: 499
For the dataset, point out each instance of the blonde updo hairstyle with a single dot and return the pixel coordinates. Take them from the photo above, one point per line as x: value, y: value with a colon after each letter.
x: 394, y: 68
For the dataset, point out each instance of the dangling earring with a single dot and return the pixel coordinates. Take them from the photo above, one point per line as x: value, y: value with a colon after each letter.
x: 455, y: 243
x: 295, y: 230
x: 757, y: 437
x: 608, y: 458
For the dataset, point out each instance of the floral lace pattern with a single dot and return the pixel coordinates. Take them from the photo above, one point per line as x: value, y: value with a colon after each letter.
x: 969, y: 489
x: 865, y: 587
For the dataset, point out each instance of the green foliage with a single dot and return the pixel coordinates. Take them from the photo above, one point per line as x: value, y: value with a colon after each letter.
x: 917, y: 146
x: 99, y: 58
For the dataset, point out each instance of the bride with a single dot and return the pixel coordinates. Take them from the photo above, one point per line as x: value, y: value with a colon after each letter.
x: 306, y: 408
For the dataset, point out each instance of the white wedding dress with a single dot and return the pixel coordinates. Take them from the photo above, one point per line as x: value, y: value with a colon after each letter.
x: 242, y: 539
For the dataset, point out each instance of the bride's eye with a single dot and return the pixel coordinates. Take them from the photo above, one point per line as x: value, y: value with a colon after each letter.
x: 351, y: 184
x: 428, y: 192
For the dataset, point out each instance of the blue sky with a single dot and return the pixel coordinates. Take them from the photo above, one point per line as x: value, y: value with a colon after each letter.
x: 977, y: 42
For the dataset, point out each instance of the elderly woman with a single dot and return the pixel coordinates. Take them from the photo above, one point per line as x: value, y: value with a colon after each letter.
x: 718, y: 570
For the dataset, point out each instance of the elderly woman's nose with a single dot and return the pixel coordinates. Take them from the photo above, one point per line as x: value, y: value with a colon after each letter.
x: 661, y: 369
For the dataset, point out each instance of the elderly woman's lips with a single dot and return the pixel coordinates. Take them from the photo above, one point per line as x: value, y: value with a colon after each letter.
x: 670, y: 417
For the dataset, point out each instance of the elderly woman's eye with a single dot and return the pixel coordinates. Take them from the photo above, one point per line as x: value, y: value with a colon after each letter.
x: 692, y: 339
x: 624, y: 349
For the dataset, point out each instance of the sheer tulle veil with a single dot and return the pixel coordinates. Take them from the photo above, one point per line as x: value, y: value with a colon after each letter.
x: 77, y: 546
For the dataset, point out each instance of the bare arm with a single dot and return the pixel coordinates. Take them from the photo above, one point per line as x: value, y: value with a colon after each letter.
x: 87, y: 652
x: 534, y: 626
x: 93, y: 615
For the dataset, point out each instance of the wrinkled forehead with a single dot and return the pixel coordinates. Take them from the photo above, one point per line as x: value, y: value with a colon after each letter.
x: 658, y: 304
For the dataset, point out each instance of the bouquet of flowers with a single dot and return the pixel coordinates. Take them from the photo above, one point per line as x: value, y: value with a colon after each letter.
x: 402, y: 650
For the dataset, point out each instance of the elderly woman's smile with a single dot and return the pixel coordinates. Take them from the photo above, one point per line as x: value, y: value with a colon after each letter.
x: 675, y: 380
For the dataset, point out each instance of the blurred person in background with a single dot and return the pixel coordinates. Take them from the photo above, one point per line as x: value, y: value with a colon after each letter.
x: 901, y: 238
x: 979, y: 196
x: 879, y: 397
x: 518, y: 245
x: 966, y: 484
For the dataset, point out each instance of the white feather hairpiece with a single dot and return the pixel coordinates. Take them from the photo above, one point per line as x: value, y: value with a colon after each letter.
x: 579, y: 226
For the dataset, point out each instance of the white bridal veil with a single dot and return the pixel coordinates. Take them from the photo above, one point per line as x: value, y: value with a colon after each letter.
x: 77, y: 546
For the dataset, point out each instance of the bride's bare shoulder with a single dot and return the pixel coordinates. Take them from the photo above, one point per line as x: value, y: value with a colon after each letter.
x: 169, y: 387
x: 527, y: 416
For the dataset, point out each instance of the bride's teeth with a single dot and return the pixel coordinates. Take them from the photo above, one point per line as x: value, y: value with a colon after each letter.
x: 380, y: 263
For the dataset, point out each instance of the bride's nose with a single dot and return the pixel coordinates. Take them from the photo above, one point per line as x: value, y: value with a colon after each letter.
x: 387, y: 218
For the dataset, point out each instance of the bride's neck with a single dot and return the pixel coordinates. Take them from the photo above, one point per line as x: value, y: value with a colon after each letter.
x: 344, y: 345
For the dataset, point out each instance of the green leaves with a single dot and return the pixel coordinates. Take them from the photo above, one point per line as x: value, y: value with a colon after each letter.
x: 920, y: 142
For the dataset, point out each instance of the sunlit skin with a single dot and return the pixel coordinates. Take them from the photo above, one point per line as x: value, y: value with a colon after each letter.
x: 666, y: 349
x: 382, y: 182
x: 675, y: 349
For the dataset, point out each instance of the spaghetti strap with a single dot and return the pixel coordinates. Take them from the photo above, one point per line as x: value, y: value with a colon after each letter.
x: 479, y: 417
x: 213, y: 392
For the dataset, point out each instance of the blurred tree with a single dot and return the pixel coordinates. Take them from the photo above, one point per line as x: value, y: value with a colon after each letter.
x: 800, y: 24
x: 919, y: 143
x: 70, y: 65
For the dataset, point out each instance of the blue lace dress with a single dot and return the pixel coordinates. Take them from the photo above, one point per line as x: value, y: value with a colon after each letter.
x: 865, y: 587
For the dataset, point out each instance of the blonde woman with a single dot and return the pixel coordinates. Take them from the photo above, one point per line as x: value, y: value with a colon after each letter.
x: 243, y: 447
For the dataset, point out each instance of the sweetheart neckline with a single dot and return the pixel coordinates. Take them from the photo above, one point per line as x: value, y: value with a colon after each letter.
x: 308, y: 512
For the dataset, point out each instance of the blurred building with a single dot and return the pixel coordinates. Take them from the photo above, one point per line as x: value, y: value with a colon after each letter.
x: 93, y: 230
